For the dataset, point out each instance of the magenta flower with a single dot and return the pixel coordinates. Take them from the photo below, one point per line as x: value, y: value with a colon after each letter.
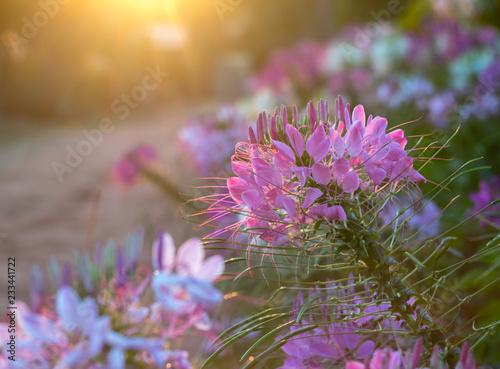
x: 292, y: 173
x: 183, y: 281
x: 488, y: 191
x: 128, y: 169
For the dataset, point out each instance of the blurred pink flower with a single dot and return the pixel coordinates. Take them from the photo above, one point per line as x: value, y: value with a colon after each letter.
x: 128, y: 169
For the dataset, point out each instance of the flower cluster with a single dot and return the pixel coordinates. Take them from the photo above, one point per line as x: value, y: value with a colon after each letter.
x: 448, y: 63
x: 113, y: 325
x: 88, y: 273
x: 434, y: 70
x: 292, y: 173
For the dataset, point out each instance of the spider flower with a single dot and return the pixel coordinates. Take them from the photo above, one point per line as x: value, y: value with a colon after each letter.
x: 183, y: 280
x: 294, y: 172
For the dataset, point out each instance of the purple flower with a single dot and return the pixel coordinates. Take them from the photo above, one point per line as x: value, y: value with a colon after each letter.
x: 76, y: 314
x: 420, y: 215
x: 290, y: 174
x: 488, y: 192
x: 439, y: 107
x: 183, y: 281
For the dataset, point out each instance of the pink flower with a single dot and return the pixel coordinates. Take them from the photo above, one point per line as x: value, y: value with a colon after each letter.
x: 292, y: 173
x: 298, y: 66
x: 128, y: 169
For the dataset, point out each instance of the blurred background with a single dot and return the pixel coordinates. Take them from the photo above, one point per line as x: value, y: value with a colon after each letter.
x: 131, y: 72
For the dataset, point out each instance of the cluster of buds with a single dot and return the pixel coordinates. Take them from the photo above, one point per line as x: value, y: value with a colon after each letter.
x: 88, y: 273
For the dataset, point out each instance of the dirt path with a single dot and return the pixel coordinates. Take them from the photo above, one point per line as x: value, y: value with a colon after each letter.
x: 41, y: 217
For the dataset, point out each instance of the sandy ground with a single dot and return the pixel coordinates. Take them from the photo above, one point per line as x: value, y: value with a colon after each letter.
x: 42, y: 217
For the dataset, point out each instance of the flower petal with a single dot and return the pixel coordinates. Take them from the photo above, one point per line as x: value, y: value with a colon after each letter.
x: 203, y: 293
x: 302, y: 174
x: 236, y: 187
x: 355, y: 365
x: 253, y: 199
x: 116, y: 359
x: 375, y: 129
x: 321, y: 174
x: 67, y: 302
x: 338, y: 144
x: 324, y: 350
x: 212, y: 268
x: 401, y: 169
x: 354, y: 141
x: 340, y: 168
x: 359, y: 114
x: 318, y: 145
x: 265, y: 174
x: 378, y: 175
x: 312, y: 194
x: 296, y: 139
x: 365, y: 349
x: 285, y: 150
x: 190, y: 257
x: 164, y: 253
x: 335, y: 212
x: 350, y: 182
